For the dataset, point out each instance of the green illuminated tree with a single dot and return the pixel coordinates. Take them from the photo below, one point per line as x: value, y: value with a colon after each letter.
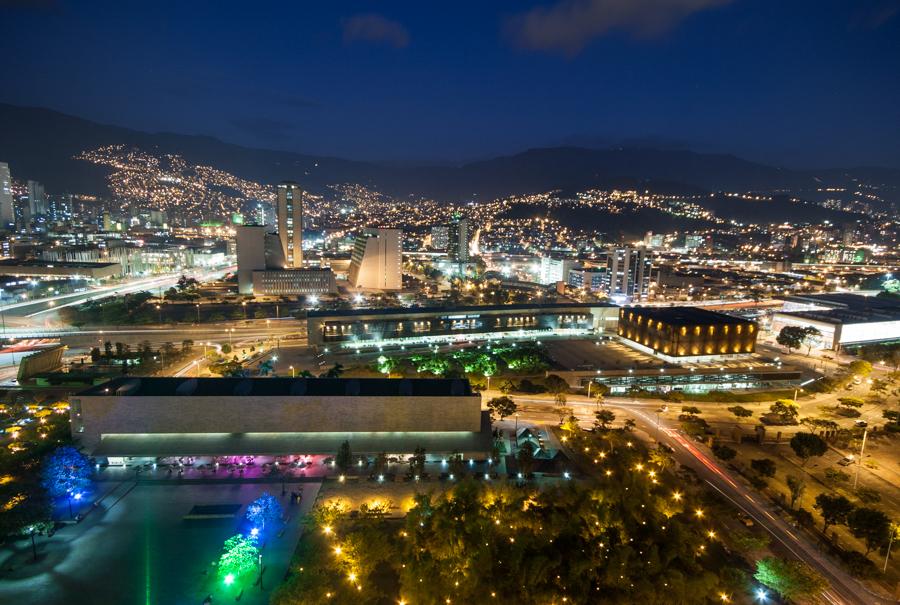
x: 793, y: 580
x: 239, y: 555
x: 604, y: 418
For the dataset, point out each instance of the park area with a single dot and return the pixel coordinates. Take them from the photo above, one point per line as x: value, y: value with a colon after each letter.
x: 137, y: 547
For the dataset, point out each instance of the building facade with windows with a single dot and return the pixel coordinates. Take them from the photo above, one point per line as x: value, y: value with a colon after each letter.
x: 369, y: 328
x: 684, y: 334
x: 290, y: 223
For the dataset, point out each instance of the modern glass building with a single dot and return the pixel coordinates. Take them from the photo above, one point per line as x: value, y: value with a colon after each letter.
x: 366, y: 328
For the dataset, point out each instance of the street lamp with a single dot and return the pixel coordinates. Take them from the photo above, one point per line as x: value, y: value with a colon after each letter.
x: 862, y: 448
x: 292, y: 371
x: 244, y: 306
x: 198, y: 321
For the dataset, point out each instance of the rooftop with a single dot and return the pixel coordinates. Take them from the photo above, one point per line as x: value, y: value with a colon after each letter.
x: 687, y: 315
x: 281, y: 387
x: 456, y: 310
x: 845, y: 307
x: 35, y: 262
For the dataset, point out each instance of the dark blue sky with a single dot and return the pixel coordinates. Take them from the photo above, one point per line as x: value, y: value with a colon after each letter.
x: 792, y: 82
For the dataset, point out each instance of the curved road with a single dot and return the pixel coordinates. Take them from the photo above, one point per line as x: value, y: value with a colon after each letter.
x: 844, y: 589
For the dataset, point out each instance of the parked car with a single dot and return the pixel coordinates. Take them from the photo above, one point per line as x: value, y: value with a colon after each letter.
x: 846, y: 461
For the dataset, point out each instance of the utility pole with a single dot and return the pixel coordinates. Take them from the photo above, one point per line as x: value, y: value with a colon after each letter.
x: 862, y: 449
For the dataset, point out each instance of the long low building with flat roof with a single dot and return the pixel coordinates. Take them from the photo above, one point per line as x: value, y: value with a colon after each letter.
x: 47, y: 268
x: 361, y: 328
x: 279, y: 416
x: 842, y: 318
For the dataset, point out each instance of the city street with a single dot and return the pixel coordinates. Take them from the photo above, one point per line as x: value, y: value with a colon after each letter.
x: 844, y: 589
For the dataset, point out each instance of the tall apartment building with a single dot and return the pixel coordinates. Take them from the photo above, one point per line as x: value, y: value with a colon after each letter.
x: 628, y: 271
x: 440, y: 237
x: 458, y: 240
x: 7, y: 209
x: 290, y: 223
x: 555, y: 270
x: 376, y: 261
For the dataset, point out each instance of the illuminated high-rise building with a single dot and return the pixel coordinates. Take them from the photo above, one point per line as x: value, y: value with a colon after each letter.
x: 376, y: 262
x: 290, y: 223
x: 7, y: 209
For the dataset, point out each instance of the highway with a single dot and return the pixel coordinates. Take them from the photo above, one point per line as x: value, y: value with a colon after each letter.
x: 154, y: 284
x: 843, y: 590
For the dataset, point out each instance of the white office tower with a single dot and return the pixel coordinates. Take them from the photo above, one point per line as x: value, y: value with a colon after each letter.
x: 554, y: 270
x: 7, y: 210
x: 628, y: 271
x: 376, y: 260
x: 290, y: 223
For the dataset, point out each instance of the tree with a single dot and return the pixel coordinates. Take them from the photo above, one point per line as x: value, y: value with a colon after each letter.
x: 417, y: 463
x: 723, y: 452
x: 690, y: 409
x: 860, y: 368
x: 604, y: 418
x: 239, y: 555
x: 501, y: 407
x: 811, y: 337
x: 263, y: 510
x: 630, y: 425
x: 334, y: 371
x: 763, y: 466
x: 380, y: 463
x: 187, y: 345
x: 834, y: 509
x: 793, y: 580
x: 226, y: 349
x: 870, y: 525
x: 796, y: 487
x: 525, y: 459
x: 95, y: 355
x: 556, y: 385
x: 807, y: 445
x: 790, y: 337
x: 850, y: 402
x: 344, y: 458
x: 66, y: 472
x: 740, y: 412
x: 786, y: 410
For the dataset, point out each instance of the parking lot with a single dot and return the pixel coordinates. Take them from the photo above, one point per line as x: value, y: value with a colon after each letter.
x: 137, y: 548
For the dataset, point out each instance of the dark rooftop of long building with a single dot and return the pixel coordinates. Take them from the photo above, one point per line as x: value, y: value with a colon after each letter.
x: 847, y: 307
x: 454, y: 310
x: 686, y: 316
x: 281, y: 387
x: 35, y: 262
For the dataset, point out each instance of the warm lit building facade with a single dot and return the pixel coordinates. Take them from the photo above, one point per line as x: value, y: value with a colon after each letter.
x: 290, y: 223
x: 684, y: 334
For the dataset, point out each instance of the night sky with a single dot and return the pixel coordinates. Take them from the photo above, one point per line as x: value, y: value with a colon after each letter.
x: 796, y: 83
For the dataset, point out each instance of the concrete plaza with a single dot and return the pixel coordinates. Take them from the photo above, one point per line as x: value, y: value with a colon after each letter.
x: 136, y: 548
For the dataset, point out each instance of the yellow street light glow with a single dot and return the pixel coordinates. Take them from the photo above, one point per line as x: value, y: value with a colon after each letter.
x: 699, y: 512
x: 327, y: 529
x: 338, y: 550
x: 351, y: 576
x: 676, y: 496
x: 711, y: 534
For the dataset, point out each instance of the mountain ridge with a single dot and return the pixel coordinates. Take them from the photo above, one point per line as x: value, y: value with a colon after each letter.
x: 40, y: 144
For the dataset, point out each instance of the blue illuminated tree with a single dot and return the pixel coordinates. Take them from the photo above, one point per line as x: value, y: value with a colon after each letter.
x: 66, y: 473
x: 265, y: 509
